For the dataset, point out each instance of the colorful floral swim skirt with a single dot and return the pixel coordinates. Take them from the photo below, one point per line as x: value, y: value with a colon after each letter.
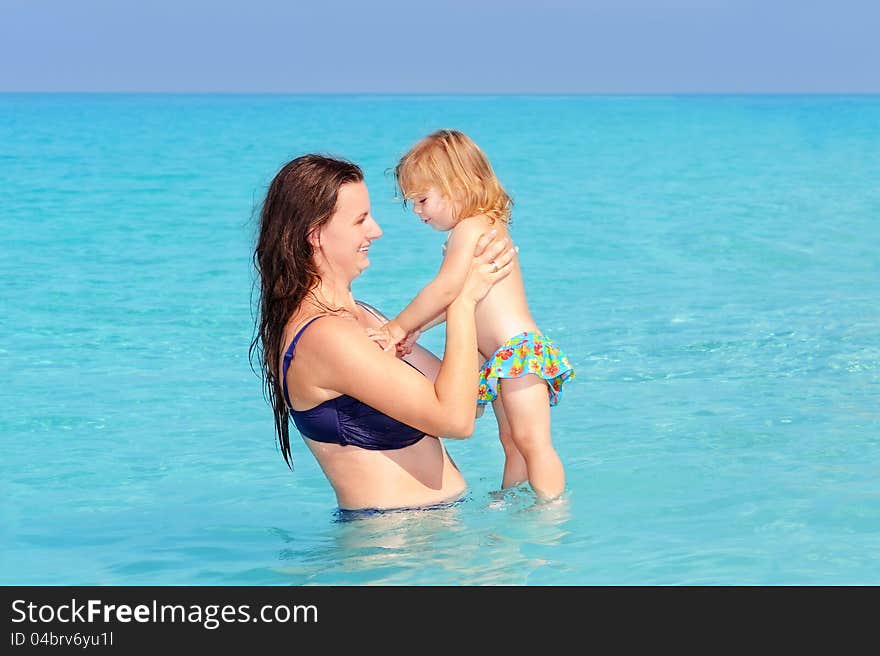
x: 526, y: 353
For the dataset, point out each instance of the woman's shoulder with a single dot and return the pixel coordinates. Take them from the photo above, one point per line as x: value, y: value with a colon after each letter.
x: 318, y: 329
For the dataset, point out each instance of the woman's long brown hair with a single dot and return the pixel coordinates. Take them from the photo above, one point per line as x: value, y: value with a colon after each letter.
x: 301, y: 198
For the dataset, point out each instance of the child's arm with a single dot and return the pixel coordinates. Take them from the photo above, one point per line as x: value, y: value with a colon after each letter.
x: 431, y: 302
x: 405, y: 346
x: 436, y: 321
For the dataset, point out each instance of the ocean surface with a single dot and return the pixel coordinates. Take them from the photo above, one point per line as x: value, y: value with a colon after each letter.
x: 711, y: 265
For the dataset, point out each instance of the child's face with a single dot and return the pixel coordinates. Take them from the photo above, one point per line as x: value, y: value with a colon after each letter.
x: 435, y: 209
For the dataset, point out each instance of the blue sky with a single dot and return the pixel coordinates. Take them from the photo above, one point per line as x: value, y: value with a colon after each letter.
x: 452, y: 46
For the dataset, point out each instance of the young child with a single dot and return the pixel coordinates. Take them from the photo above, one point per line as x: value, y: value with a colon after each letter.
x: 453, y: 189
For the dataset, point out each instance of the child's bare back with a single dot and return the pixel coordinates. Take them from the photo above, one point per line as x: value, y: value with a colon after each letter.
x: 504, y: 311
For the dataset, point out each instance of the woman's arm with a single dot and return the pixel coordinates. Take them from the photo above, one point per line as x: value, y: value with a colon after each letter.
x: 431, y: 302
x: 342, y: 359
x: 417, y: 356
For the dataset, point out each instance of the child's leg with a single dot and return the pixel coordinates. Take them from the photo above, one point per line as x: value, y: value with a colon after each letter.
x: 515, y: 471
x: 527, y: 410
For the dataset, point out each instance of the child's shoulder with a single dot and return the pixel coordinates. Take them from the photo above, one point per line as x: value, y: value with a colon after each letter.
x: 470, y: 228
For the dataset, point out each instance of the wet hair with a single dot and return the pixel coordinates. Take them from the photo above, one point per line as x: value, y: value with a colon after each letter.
x: 452, y: 162
x: 301, y: 198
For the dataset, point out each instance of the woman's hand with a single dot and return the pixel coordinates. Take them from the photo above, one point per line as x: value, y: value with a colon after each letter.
x: 492, y: 262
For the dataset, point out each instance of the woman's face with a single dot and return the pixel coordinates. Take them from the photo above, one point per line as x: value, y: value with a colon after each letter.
x: 345, y: 239
x: 434, y: 209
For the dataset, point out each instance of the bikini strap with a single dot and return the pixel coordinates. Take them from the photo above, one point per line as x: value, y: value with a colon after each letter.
x: 371, y: 310
x: 288, y: 357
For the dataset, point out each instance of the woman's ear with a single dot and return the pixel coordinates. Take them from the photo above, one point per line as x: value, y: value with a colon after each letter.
x: 315, y: 238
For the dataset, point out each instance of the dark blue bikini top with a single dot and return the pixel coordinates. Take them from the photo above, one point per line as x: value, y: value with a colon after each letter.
x: 345, y: 420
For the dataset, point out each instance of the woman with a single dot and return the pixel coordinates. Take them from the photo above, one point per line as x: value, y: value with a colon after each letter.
x: 370, y: 419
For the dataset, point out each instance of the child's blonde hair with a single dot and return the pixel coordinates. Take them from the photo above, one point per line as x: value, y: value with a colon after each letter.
x: 452, y: 162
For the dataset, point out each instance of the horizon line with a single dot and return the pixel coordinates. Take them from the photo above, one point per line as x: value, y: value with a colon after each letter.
x: 443, y: 94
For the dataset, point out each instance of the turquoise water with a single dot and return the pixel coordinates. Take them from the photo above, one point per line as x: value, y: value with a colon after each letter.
x: 710, y: 265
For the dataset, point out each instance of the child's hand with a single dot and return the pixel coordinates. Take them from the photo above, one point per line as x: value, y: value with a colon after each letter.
x: 406, y: 346
x: 389, y: 333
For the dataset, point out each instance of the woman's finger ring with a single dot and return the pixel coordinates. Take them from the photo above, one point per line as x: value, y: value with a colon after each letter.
x: 494, y: 266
